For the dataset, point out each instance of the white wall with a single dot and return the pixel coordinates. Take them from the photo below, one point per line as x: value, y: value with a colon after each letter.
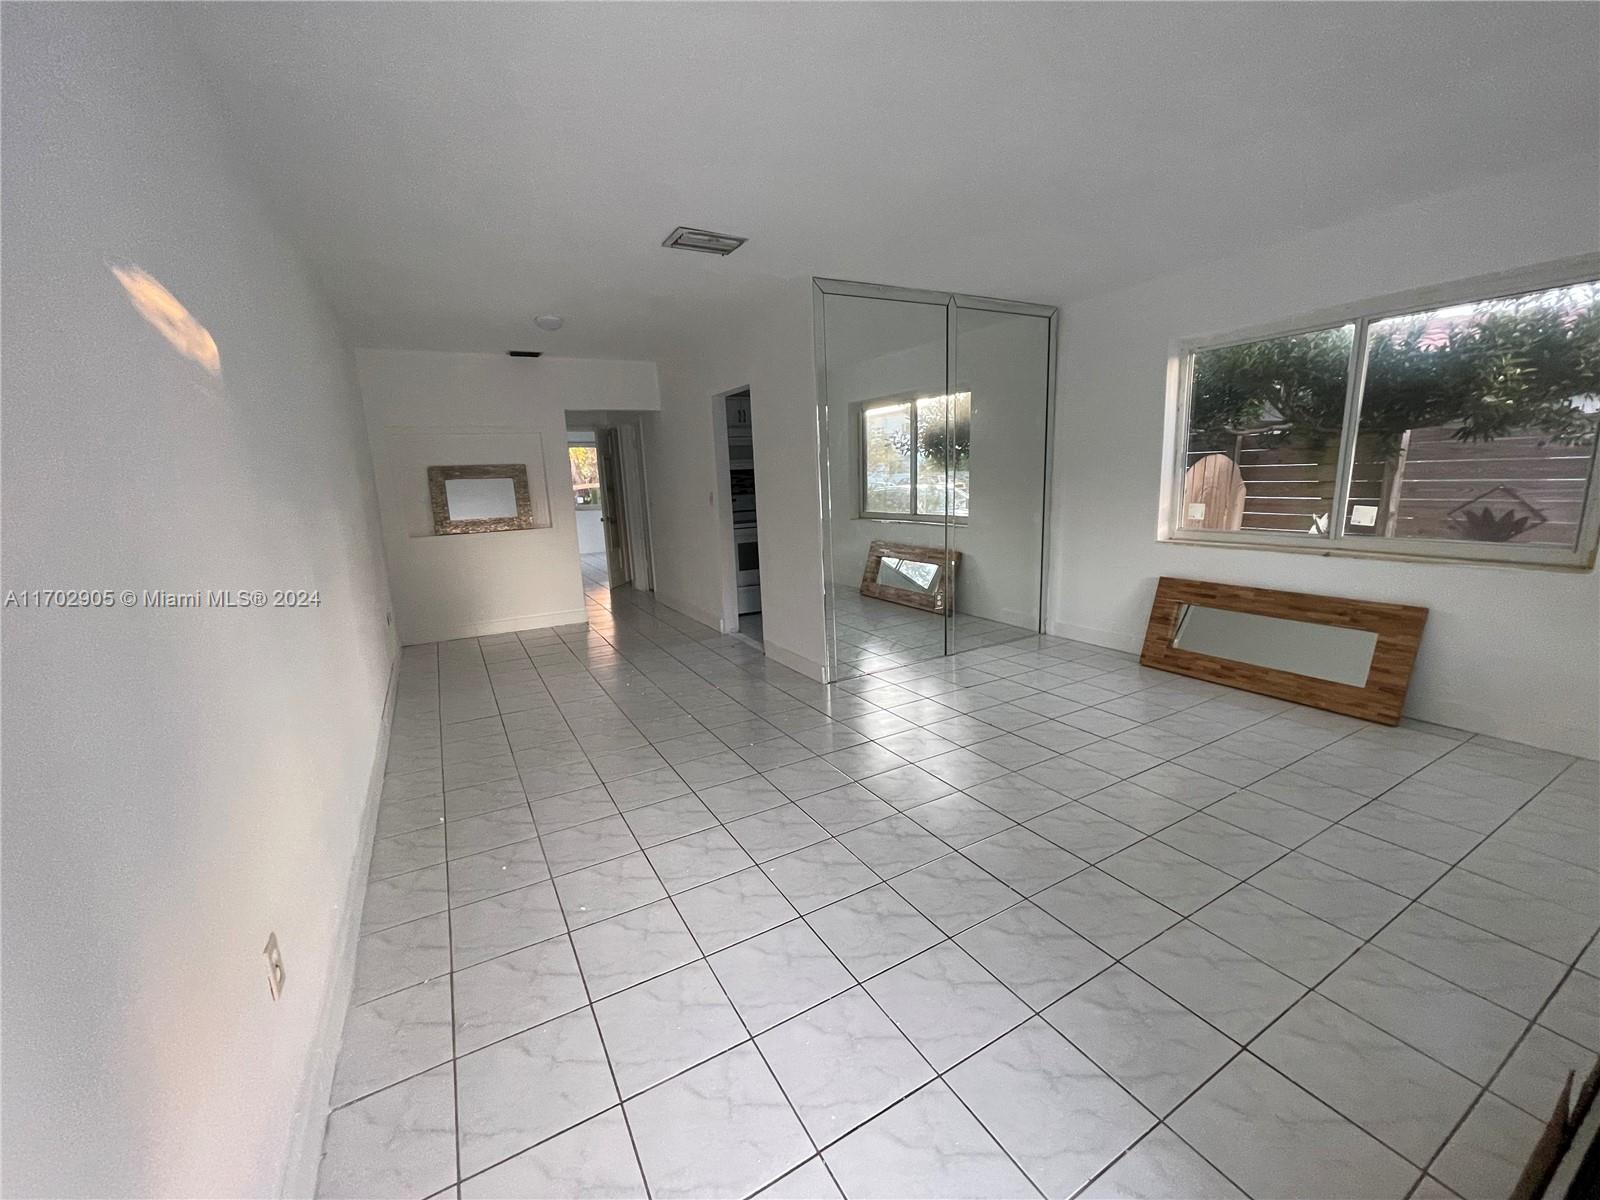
x: 765, y: 343
x: 591, y: 533
x: 430, y: 408
x: 177, y: 783
x: 1507, y: 651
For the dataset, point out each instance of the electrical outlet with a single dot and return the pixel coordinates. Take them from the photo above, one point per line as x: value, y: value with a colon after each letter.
x: 274, y: 965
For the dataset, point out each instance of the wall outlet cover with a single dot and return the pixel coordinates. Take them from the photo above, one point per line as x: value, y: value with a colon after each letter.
x: 274, y: 959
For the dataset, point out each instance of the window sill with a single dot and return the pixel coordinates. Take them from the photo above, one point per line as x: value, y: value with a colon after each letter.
x: 1539, y: 559
x: 905, y: 520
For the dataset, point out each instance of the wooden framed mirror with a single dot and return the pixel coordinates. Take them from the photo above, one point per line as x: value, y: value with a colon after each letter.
x: 480, y: 499
x: 917, y: 576
x: 1347, y: 656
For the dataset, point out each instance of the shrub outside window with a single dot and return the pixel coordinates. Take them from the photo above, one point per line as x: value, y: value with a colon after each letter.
x: 916, y: 457
x: 1458, y: 431
x: 585, y: 464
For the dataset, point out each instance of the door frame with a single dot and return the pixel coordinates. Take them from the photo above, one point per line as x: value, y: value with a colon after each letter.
x: 952, y: 302
x: 727, y: 558
x: 632, y: 485
x: 614, y: 517
x: 635, y: 492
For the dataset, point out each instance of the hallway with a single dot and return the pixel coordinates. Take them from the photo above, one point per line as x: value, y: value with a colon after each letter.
x: 635, y: 862
x: 596, y: 580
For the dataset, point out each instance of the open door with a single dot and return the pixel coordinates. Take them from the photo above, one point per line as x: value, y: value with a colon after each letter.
x: 619, y: 557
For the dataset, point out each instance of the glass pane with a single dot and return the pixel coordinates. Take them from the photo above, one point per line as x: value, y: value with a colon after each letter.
x: 1264, y: 425
x: 909, y: 574
x: 480, y: 499
x: 886, y: 442
x: 585, y: 465
x: 1478, y: 421
x: 944, y: 454
x: 1304, y: 647
x: 879, y: 353
x: 1000, y: 392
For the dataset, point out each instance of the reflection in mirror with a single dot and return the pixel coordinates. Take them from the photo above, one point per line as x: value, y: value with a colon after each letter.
x: 909, y: 574
x: 480, y: 499
x: 935, y: 413
x: 1329, y: 652
x: 916, y: 576
x: 995, y: 441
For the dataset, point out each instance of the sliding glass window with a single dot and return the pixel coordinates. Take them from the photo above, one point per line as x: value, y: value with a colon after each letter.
x: 916, y: 457
x: 1465, y: 430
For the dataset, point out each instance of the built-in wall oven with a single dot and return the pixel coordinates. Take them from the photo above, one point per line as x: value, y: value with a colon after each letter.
x: 742, y: 489
x: 747, y: 567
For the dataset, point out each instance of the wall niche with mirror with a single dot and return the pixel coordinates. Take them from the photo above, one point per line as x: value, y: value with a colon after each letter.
x: 488, y: 498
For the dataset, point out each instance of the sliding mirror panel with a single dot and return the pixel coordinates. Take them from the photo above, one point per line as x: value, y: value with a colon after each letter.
x: 934, y: 412
x: 883, y: 360
x: 991, y: 450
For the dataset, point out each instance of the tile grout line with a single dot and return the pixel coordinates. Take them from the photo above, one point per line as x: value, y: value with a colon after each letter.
x: 588, y: 994
x: 831, y: 836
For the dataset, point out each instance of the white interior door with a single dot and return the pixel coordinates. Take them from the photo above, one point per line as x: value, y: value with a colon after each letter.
x: 614, y: 522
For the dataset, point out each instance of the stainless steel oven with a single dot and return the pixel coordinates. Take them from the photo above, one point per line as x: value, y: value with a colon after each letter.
x: 742, y: 490
x: 747, y: 567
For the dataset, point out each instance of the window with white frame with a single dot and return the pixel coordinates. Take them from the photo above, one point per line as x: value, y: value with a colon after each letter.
x: 1458, y: 430
x: 916, y: 457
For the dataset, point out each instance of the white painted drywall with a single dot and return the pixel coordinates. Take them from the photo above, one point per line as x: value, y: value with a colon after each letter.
x: 591, y: 532
x: 1002, y: 360
x: 765, y: 343
x: 1510, y: 651
x: 178, y: 783
x: 433, y: 408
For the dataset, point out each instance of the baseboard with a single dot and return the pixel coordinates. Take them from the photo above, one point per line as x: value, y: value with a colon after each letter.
x: 311, y: 1107
x: 1564, y: 739
x: 795, y: 662
x: 1509, y: 726
x: 472, y: 629
x: 693, y: 612
x: 1110, y: 639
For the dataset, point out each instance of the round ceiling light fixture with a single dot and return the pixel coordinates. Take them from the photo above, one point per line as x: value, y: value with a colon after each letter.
x: 549, y: 323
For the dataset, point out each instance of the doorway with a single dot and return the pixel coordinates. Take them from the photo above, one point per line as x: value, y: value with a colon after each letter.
x: 589, y: 505
x: 606, y: 456
x: 740, y: 444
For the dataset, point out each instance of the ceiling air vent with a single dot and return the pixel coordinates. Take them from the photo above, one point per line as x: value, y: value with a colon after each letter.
x: 525, y: 353
x: 703, y: 241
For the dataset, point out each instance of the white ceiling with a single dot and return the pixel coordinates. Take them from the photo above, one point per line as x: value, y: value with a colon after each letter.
x: 453, y: 171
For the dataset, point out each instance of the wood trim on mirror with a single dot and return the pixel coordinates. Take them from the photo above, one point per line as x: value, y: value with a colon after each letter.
x: 941, y: 599
x: 439, y: 501
x: 1398, y: 628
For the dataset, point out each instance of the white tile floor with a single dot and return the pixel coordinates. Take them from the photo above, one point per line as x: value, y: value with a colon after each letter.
x: 874, y: 635
x: 650, y: 915
x: 596, y: 579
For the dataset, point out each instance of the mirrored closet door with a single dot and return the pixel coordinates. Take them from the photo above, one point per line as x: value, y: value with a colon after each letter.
x: 935, y: 416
